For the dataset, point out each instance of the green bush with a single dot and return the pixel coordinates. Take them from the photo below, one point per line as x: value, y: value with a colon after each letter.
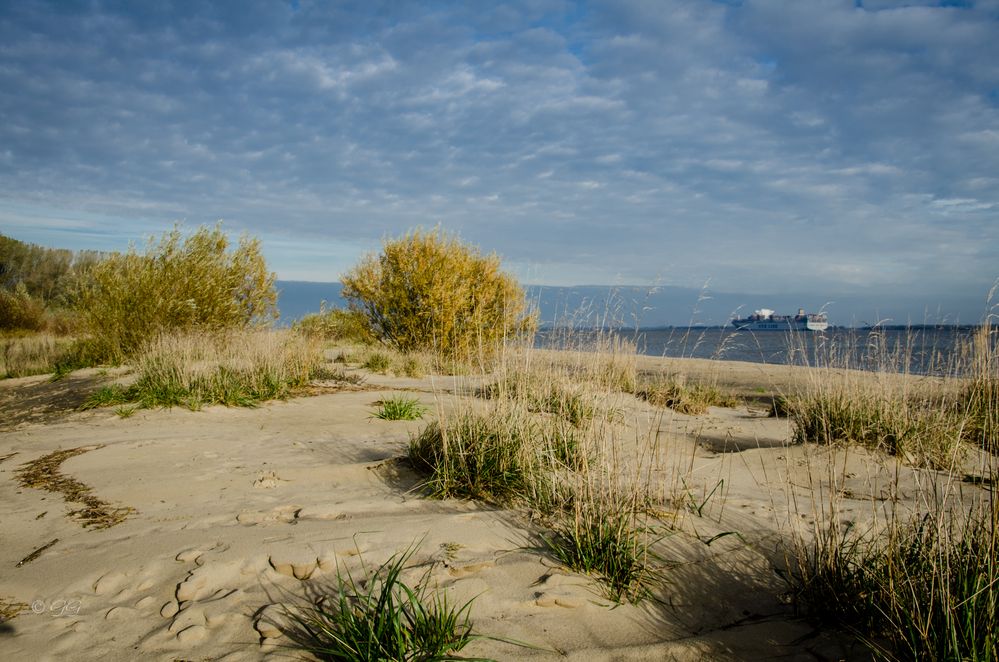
x: 178, y: 284
x: 429, y: 291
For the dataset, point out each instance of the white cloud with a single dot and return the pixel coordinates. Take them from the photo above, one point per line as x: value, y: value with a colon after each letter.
x: 602, y: 141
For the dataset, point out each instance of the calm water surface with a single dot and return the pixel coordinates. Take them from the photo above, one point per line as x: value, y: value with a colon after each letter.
x: 923, y: 350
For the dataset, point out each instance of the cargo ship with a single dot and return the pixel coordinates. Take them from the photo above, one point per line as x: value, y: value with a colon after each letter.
x: 765, y: 319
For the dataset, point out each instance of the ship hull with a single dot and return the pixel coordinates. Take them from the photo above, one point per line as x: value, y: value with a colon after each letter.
x: 779, y: 325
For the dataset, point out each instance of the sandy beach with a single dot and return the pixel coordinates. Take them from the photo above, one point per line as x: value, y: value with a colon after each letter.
x: 234, y: 512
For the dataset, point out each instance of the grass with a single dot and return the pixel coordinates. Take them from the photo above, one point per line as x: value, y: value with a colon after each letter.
x: 979, y: 400
x: 926, y: 588
x: 383, y: 618
x: 546, y: 393
x: 377, y: 362
x: 925, y: 421
x: 324, y: 372
x: 35, y: 354
x: 542, y: 441
x: 920, y: 432
x: 399, y: 408
x: 922, y: 580
x: 604, y: 537
x: 476, y: 457
x: 196, y: 370
x: 674, y: 392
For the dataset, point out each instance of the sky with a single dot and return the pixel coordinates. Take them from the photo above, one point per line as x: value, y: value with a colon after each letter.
x: 827, y: 147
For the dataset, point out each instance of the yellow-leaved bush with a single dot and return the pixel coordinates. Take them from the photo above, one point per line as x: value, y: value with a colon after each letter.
x: 177, y: 284
x: 428, y: 291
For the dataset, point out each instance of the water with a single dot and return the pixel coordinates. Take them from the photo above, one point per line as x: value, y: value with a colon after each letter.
x: 919, y: 350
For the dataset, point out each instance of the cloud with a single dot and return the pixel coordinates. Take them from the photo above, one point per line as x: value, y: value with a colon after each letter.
x: 766, y: 145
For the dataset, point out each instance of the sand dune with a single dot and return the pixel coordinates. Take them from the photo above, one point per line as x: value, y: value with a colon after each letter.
x: 239, y: 511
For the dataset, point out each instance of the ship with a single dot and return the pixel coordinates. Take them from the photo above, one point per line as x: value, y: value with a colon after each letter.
x: 765, y: 319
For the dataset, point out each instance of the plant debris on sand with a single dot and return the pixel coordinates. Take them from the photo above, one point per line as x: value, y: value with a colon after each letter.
x: 43, y: 474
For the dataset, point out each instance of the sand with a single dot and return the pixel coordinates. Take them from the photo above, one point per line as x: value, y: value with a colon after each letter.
x: 239, y: 511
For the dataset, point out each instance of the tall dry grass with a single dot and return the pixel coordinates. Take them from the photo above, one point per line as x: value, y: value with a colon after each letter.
x: 924, y: 419
x: 238, y: 368
x: 545, y: 433
x: 921, y: 579
x: 35, y: 354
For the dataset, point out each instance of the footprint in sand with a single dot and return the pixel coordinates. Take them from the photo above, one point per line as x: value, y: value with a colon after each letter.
x: 272, y: 622
x: 207, y: 580
x: 207, y: 599
x: 109, y: 583
x: 558, y: 590
x: 297, y: 563
x: 121, y: 613
x: 280, y: 514
x: 470, y: 569
x: 267, y: 481
x: 569, y: 602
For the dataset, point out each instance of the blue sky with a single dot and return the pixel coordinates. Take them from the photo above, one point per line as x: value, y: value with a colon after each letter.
x: 831, y: 147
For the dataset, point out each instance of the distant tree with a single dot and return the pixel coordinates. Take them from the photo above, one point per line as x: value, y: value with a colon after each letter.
x: 50, y: 275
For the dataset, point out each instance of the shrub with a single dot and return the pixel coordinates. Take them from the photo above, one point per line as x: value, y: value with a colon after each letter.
x: 429, y: 291
x: 178, y: 284
x: 50, y: 275
x: 335, y: 325
x: 18, y: 310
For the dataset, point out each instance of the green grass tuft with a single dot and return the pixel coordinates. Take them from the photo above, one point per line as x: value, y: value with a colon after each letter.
x: 110, y: 395
x: 399, y: 408
x: 473, y: 457
x: 383, y: 618
x: 922, y: 433
x: 605, y: 539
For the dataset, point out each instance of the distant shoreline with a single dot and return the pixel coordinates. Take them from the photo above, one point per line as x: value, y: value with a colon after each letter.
x: 697, y: 327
